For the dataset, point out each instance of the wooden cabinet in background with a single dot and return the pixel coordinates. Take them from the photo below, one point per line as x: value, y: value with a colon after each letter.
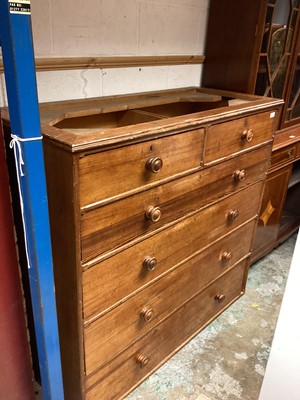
x: 271, y: 211
x: 254, y: 47
x: 287, y: 142
x: 279, y: 215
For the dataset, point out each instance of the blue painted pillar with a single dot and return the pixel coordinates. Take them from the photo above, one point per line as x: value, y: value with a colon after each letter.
x: 18, y: 59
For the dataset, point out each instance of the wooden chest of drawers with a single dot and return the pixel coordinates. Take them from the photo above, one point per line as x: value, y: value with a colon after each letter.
x: 152, y: 214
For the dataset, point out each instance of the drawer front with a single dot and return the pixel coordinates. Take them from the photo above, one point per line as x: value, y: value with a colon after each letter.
x: 110, y: 173
x: 144, y: 356
x: 140, y: 313
x: 105, y: 228
x: 239, y: 135
x: 283, y: 156
x: 118, y: 277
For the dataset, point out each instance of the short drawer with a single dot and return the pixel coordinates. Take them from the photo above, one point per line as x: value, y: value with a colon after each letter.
x: 239, y: 135
x: 141, y: 312
x: 112, y: 280
x: 107, y: 227
x: 143, y: 357
x: 110, y: 173
x: 283, y: 156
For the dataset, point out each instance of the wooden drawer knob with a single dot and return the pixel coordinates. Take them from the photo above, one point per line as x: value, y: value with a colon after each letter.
x: 150, y: 263
x: 153, y: 213
x: 290, y: 154
x: 239, y: 175
x: 232, y: 215
x: 226, y: 256
x: 154, y: 164
x: 220, y: 297
x: 142, y: 360
x: 147, y: 314
x: 247, y: 135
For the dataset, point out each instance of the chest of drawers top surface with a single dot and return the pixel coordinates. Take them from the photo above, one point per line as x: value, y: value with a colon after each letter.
x: 84, y: 125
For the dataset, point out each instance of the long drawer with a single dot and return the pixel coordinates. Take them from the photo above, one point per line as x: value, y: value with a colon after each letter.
x: 107, y: 174
x: 105, y: 228
x: 118, y: 277
x: 284, y: 156
x: 228, y: 138
x: 143, y: 357
x: 140, y: 313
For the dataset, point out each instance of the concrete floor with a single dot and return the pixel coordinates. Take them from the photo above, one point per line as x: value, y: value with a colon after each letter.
x: 227, y: 360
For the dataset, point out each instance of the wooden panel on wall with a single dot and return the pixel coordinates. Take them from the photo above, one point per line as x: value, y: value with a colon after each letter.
x: 65, y: 63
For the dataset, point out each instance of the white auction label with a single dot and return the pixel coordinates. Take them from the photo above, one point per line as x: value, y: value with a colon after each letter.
x: 19, y: 7
x: 272, y: 114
